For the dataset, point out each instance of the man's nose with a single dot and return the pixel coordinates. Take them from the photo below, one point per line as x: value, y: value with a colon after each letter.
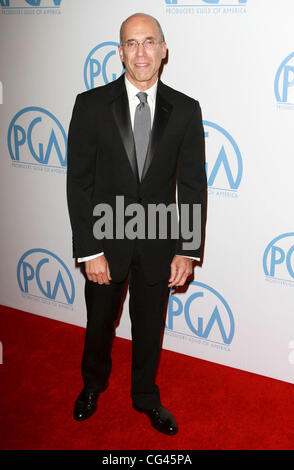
x: 140, y: 49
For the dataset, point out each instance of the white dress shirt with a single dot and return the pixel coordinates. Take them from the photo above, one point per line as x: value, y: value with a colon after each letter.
x: 133, y: 103
x: 134, y: 100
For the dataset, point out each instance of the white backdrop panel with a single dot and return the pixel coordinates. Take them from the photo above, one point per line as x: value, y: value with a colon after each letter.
x: 237, y: 58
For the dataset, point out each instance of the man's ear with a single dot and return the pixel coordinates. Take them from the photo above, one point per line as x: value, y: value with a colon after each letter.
x: 164, y: 50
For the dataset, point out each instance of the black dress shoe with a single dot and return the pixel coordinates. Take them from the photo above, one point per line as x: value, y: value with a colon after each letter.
x: 161, y: 419
x: 85, y: 405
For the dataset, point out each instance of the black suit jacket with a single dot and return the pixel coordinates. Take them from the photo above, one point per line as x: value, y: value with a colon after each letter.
x: 102, y: 165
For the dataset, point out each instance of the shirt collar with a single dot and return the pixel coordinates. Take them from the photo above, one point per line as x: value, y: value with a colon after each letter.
x: 132, y: 91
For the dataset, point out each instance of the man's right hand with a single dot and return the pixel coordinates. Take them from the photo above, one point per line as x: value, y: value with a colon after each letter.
x: 97, y: 270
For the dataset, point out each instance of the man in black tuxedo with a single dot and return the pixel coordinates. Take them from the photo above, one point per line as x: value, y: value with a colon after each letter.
x: 135, y: 138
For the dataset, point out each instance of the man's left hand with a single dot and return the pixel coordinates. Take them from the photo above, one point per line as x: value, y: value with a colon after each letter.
x: 181, y: 267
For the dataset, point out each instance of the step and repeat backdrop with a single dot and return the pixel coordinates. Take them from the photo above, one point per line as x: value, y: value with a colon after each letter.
x: 237, y: 58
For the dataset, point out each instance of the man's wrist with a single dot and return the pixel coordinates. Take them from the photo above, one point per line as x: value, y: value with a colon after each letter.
x: 88, y: 258
x: 190, y: 257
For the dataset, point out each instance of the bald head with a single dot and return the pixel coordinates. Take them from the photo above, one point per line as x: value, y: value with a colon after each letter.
x: 138, y: 16
x: 142, y: 49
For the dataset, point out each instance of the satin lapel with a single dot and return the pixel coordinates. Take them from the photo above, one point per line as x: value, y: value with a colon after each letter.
x: 121, y: 112
x: 161, y: 117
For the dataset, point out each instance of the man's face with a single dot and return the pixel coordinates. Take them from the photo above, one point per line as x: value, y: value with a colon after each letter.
x: 142, y: 64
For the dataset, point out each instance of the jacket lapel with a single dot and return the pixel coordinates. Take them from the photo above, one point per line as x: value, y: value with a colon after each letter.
x: 121, y: 113
x: 161, y: 116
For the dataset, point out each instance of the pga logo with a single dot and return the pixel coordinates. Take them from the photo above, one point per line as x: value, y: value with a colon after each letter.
x: 278, y: 258
x: 224, y: 165
x: 36, y: 136
x: 284, y: 81
x: 43, y: 274
x: 102, y: 65
x: 30, y: 3
x: 204, y: 314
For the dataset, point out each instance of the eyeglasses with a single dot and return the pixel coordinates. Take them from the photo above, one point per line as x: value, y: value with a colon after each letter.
x: 148, y: 44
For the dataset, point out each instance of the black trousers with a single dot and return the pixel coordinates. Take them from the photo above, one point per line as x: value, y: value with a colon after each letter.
x: 147, y: 305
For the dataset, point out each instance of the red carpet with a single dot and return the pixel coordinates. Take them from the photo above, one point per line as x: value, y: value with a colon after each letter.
x: 216, y: 407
